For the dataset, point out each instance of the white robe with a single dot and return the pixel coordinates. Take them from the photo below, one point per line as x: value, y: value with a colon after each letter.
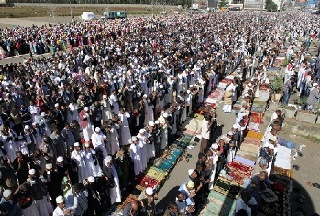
x: 115, y: 194
x: 114, y: 102
x: 164, y: 137
x: 142, y: 144
x: 149, y: 115
x: 125, y: 135
x: 23, y: 147
x: 11, y: 149
x: 88, y: 130
x: 113, y: 138
x: 135, y: 156
x: 79, y: 157
x: 106, y: 111
x: 92, y: 169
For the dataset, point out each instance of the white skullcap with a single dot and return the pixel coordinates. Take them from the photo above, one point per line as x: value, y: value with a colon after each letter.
x: 76, y: 144
x: 230, y: 133
x: 32, y: 172
x: 151, y: 123
x: 145, y: 96
x: 104, y: 96
x: 86, y: 109
x: 43, y: 114
x: 87, y: 145
x: 60, y: 159
x: 214, y: 146
x: 134, y: 138
x: 141, y: 131
x: 157, y: 122
x: 59, y: 199
x: 34, y: 123
x: 190, y: 171
x: 56, y: 105
x: 97, y: 129
x: 235, y: 126
x: 26, y: 127
x: 107, y: 160
x: 165, y: 115
x: 7, y: 193
x: 315, y: 84
x: 49, y: 166
x: 270, y: 146
x: 161, y: 86
x: 91, y: 179
x: 149, y: 191
x: 188, y: 91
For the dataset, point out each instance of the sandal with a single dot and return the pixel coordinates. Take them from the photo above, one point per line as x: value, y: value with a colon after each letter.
x: 316, y: 185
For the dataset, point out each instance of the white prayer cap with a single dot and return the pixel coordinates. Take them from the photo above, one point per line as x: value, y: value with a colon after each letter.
x: 145, y: 96
x: 56, y: 105
x: 151, y: 123
x: 214, y: 146
x: 91, y: 179
x: 235, y: 126
x: 273, y: 138
x: 165, y: 115
x: 161, y: 86
x: 60, y: 159
x: 141, y: 131
x: 76, y: 144
x: 134, y: 138
x: 100, y: 174
x: 97, y: 129
x: 87, y: 145
x: 26, y: 127
x: 270, y: 146
x: 190, y: 184
x: 59, y: 199
x: 157, y: 122
x: 315, y: 84
x: 43, y: 114
x: 34, y: 123
x: 7, y: 193
x: 86, y: 109
x: 190, y: 171
x: 107, y: 160
x: 49, y: 166
x: 162, y: 120
x: 230, y: 133
x: 104, y: 96
x: 188, y: 91
x: 149, y: 191
x: 32, y: 172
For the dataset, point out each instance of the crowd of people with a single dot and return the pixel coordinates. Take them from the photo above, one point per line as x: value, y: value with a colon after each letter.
x: 94, y: 115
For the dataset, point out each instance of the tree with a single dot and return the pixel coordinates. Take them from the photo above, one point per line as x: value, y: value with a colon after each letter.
x: 222, y: 3
x: 271, y: 6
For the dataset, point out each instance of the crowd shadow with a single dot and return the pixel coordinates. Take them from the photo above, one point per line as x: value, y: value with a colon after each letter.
x: 170, y: 197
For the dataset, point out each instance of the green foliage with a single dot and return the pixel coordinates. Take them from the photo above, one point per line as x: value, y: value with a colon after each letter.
x: 285, y: 62
x: 222, y: 3
x: 271, y: 6
x: 277, y: 85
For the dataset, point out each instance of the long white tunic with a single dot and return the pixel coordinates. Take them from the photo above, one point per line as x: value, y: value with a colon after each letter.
x: 79, y: 157
x: 125, y: 135
x: 88, y: 130
x: 114, y: 102
x: 115, y: 194
x: 106, y: 111
x: 142, y: 144
x: 11, y: 149
x: 135, y: 156
x: 164, y: 137
x: 92, y: 169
